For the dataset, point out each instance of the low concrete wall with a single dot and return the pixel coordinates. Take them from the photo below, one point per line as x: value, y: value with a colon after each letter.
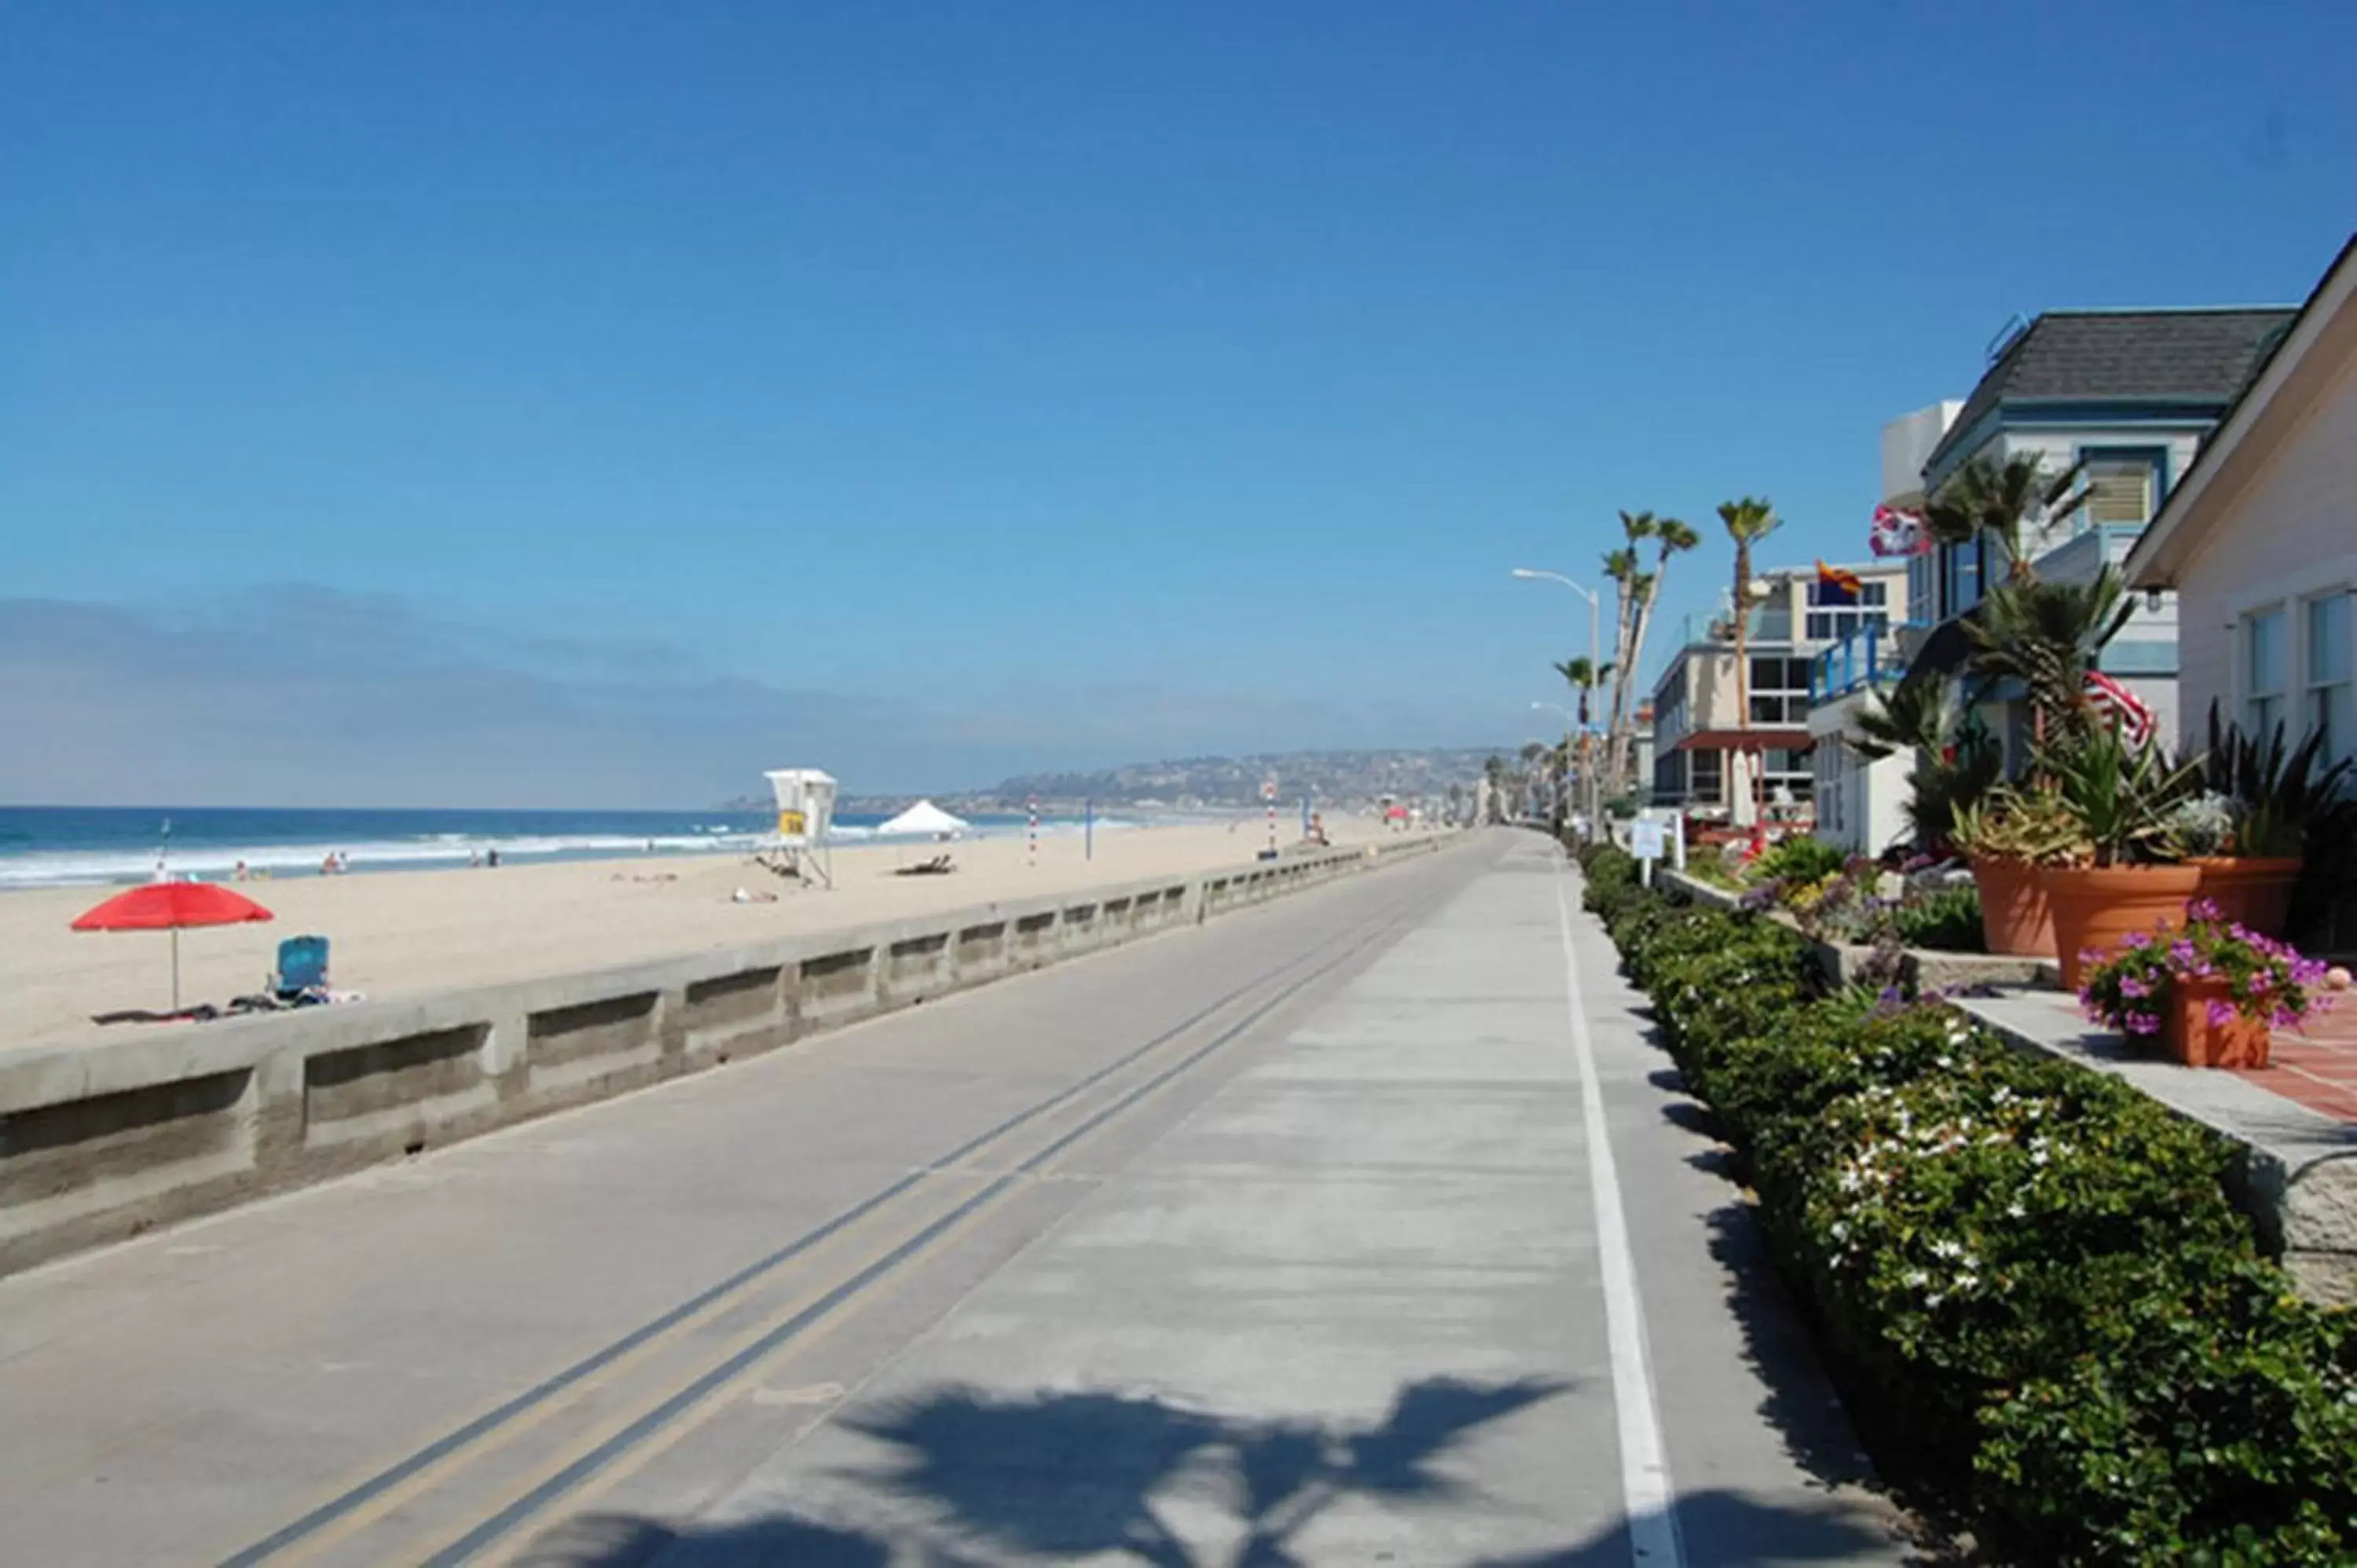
x: 99, y: 1142
x: 2295, y: 1173
x: 1926, y: 969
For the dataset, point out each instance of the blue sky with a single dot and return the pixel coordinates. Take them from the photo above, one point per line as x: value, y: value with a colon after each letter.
x: 936, y: 391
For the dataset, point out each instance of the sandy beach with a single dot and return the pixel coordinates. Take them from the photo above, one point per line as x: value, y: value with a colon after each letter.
x: 405, y: 932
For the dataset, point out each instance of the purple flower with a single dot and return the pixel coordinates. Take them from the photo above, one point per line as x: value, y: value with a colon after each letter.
x: 2181, y: 952
x: 2203, y: 908
x: 2131, y: 986
x: 2143, y: 1024
x: 2261, y: 980
x: 2286, y: 1018
x: 2221, y: 1014
x: 2140, y: 941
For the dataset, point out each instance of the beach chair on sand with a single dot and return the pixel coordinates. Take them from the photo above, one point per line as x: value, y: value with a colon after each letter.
x: 939, y: 866
x: 302, y: 967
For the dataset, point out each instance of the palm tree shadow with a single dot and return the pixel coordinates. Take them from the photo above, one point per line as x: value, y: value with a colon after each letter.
x: 1077, y: 1475
x: 1090, y: 1476
x: 624, y: 1540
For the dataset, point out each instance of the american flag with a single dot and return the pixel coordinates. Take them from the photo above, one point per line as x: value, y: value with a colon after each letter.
x: 2134, y: 716
x: 1898, y: 533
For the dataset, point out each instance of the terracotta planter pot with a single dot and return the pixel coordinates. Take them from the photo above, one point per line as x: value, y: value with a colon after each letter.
x: 2014, y: 916
x: 2188, y: 1034
x: 2251, y: 891
x: 2098, y: 908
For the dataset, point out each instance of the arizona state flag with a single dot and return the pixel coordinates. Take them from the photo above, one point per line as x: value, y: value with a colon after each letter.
x: 1836, y: 585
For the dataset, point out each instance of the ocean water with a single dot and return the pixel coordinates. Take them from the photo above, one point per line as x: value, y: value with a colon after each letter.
x: 48, y: 846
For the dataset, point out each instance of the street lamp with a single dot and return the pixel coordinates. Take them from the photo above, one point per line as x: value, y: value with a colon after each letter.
x: 1594, y: 655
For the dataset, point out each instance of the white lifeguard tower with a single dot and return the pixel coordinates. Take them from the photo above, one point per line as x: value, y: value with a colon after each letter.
x: 805, y: 812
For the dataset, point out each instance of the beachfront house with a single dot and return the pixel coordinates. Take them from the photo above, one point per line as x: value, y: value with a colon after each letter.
x: 2258, y: 541
x: 1702, y: 741
x: 1862, y: 800
x: 2126, y: 394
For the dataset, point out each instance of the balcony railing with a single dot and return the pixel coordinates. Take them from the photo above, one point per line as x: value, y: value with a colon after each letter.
x: 2078, y: 559
x: 1863, y: 658
x: 1768, y: 624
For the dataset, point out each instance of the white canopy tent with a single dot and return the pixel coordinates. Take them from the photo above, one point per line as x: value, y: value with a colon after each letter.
x: 924, y: 819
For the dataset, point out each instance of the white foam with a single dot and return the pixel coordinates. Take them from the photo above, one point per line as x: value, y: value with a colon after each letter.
x: 52, y: 868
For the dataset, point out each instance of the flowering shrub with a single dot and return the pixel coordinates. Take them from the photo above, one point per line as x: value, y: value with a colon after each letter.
x: 2028, y: 1272
x: 2265, y: 979
x: 1945, y: 918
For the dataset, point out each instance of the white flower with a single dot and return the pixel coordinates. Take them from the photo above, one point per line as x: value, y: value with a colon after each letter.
x: 2014, y: 1210
x: 1934, y: 1299
x: 1918, y: 1279
x: 1968, y: 1281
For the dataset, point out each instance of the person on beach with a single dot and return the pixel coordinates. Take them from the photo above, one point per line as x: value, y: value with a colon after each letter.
x: 491, y: 859
x: 238, y: 872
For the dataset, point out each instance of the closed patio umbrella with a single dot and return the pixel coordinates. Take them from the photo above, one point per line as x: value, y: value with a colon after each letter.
x: 169, y: 905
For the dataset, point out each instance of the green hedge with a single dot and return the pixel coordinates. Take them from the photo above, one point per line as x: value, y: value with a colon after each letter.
x: 2028, y: 1272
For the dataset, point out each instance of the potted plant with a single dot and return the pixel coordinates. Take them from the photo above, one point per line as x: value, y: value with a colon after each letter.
x: 2250, y: 830
x: 2116, y: 879
x: 2209, y: 991
x: 2003, y: 837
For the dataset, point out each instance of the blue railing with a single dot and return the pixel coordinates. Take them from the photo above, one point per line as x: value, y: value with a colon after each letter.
x: 1861, y: 658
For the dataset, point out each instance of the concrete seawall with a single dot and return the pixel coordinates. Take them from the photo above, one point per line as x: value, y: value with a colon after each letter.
x: 99, y: 1141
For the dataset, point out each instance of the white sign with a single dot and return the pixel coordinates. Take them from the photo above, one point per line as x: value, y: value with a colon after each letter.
x: 1645, y: 839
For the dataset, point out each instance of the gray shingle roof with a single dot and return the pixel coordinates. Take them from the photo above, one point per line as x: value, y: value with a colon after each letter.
x: 2161, y: 356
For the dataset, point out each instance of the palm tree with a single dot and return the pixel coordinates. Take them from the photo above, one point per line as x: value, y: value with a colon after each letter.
x: 1955, y: 758
x: 1670, y: 537
x: 1748, y: 522
x: 2047, y: 636
x: 1988, y: 497
x: 1584, y: 675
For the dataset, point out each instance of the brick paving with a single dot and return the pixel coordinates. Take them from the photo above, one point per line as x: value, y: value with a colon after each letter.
x: 2316, y: 1066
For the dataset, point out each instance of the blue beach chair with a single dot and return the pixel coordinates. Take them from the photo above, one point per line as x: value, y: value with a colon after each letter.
x: 302, y: 965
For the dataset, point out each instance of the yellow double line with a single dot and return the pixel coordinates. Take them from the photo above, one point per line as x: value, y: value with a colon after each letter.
x: 597, y: 1457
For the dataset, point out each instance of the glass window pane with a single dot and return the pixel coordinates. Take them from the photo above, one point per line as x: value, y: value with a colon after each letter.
x: 2328, y: 640
x: 2264, y: 652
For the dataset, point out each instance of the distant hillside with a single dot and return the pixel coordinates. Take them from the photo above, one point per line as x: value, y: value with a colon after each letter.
x: 1342, y: 778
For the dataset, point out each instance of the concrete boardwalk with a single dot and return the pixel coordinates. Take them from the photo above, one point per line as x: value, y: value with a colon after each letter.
x: 1356, y: 1229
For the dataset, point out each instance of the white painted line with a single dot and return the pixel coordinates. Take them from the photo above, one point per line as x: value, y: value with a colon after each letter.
x: 1645, y: 1488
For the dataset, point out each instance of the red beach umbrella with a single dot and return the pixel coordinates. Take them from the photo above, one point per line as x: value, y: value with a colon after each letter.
x: 169, y: 905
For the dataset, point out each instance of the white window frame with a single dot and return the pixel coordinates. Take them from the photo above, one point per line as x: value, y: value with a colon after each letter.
x: 2290, y: 594
x: 2258, y: 722
x: 2310, y: 687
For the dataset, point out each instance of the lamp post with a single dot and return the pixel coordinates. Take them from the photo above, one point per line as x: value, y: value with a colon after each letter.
x: 1594, y: 654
